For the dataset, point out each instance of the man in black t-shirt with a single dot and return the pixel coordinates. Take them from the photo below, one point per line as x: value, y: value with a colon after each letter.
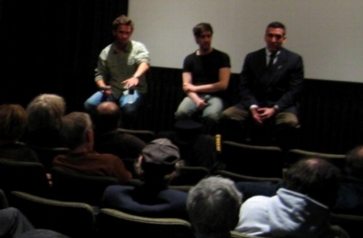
x: 206, y: 74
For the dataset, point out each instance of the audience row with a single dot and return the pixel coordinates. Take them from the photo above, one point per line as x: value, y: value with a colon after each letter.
x: 301, y: 204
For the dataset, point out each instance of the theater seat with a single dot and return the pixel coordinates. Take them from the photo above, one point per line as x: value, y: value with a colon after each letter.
x: 73, y: 219
x: 113, y: 223
x: 252, y: 160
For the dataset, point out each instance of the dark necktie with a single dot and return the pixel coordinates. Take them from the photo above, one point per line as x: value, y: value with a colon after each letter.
x: 271, y: 61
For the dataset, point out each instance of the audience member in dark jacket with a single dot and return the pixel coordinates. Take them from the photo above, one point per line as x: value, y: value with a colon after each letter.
x: 13, y: 121
x: 108, y: 137
x: 350, y: 200
x: 153, y: 198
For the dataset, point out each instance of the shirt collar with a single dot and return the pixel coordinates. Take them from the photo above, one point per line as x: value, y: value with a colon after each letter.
x: 127, y: 49
x: 268, y: 53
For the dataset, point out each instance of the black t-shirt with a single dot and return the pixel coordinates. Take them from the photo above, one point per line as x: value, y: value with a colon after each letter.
x: 205, y: 68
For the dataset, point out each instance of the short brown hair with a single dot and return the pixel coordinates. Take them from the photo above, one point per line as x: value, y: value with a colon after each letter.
x: 198, y: 29
x: 13, y: 121
x: 122, y: 20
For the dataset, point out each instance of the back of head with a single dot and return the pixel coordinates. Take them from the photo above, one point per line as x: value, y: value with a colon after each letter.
x: 45, y: 111
x: 354, y: 162
x: 107, y: 117
x: 13, y: 121
x: 316, y: 178
x: 213, y: 206
x: 159, y: 158
x: 75, y: 128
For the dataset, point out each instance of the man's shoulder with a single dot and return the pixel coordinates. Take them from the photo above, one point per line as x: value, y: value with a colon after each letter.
x: 257, y: 52
x: 290, y: 53
x: 137, y: 43
x: 191, y: 55
x: 219, y: 52
x: 106, y: 50
x: 102, y: 156
x: 119, y: 189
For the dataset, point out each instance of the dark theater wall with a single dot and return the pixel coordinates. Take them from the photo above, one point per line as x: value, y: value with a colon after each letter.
x: 52, y: 47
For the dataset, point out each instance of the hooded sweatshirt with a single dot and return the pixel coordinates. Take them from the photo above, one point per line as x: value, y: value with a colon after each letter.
x: 287, y: 214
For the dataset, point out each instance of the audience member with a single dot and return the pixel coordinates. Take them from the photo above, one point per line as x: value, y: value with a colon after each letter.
x: 196, y: 148
x: 108, y: 139
x: 45, y: 121
x: 78, y: 133
x: 206, y: 75
x: 350, y: 195
x: 14, y: 224
x: 13, y: 122
x: 270, y: 85
x: 213, y: 207
x: 300, y: 209
x: 153, y: 198
x: 350, y: 200
x: 120, y: 72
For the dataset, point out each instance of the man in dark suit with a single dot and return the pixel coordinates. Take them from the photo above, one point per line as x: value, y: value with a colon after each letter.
x: 271, y: 82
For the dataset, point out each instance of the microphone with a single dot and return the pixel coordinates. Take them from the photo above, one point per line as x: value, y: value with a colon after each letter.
x: 131, y: 90
x: 206, y: 98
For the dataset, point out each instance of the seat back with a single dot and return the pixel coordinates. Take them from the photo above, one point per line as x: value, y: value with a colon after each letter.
x: 69, y: 185
x: 245, y: 178
x: 190, y: 175
x: 145, y: 135
x: 349, y: 223
x: 23, y: 176
x: 69, y: 218
x: 251, y: 160
x: 294, y: 155
x: 3, y: 200
x: 111, y: 223
x: 47, y: 154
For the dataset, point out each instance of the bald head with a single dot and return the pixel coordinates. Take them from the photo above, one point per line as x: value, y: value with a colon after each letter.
x: 316, y: 178
x: 107, y: 117
x: 107, y: 108
x: 354, y: 163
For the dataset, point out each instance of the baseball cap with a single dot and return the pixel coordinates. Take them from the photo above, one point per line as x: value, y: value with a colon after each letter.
x: 161, y: 151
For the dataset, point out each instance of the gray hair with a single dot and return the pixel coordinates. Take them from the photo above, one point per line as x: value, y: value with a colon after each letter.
x: 45, y: 110
x: 213, y: 205
x: 75, y: 127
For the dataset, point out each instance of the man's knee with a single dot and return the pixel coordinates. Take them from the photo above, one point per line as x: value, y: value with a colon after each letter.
x: 212, y: 117
x: 182, y: 114
x: 287, y: 119
x: 234, y: 113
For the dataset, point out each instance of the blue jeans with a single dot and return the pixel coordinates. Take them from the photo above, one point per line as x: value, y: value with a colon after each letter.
x: 129, y: 104
x: 187, y: 109
x: 13, y: 223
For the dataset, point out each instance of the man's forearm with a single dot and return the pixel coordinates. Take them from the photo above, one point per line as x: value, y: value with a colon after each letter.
x: 141, y: 69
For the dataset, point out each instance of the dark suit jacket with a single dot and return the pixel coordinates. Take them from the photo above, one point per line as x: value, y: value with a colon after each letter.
x: 280, y: 86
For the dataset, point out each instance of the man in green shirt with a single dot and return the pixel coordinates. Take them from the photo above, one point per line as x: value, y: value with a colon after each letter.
x: 120, y: 72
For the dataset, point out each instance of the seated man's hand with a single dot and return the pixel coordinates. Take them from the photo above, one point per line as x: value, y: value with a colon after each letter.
x: 201, y: 104
x: 131, y: 82
x: 188, y: 87
x: 256, y: 115
x: 106, y: 90
x: 266, y: 112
